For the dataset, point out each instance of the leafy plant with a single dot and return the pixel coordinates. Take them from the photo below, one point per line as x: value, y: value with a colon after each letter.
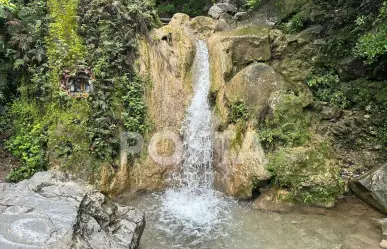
x: 297, y: 23
x: 5, y: 7
x: 238, y: 111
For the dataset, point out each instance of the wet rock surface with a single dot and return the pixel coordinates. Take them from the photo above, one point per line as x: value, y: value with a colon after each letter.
x: 52, y: 211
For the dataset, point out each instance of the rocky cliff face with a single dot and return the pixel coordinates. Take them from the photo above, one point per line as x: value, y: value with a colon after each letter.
x: 52, y: 211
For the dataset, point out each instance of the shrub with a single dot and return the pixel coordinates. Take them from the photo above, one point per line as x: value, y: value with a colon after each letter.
x: 251, y: 4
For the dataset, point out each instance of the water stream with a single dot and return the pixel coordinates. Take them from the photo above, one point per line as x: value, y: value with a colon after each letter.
x: 192, y: 215
x: 192, y: 208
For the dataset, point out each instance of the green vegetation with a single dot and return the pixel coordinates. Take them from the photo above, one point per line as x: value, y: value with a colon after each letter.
x: 326, y: 87
x: 42, y: 39
x: 251, y: 4
x: 111, y: 51
x: 29, y: 141
x: 297, y: 23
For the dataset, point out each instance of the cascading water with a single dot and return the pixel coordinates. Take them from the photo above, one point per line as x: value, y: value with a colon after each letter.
x: 196, y: 173
x: 192, y: 206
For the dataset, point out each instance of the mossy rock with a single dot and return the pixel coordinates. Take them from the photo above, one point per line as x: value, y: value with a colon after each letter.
x: 254, y: 85
x: 311, y: 173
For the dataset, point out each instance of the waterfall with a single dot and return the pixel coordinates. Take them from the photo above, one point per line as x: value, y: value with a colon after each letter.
x: 192, y: 206
x: 197, y: 157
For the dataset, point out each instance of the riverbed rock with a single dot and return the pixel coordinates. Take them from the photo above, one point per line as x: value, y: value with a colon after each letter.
x: 51, y: 210
x: 372, y: 188
x: 218, y: 9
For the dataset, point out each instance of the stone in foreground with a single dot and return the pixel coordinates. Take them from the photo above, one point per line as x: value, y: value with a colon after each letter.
x: 372, y: 188
x: 52, y: 211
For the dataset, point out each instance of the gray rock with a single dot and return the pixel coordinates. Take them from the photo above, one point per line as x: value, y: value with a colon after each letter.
x: 218, y: 9
x: 52, y: 211
x: 372, y: 188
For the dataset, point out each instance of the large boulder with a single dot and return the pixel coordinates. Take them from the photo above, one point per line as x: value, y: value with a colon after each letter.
x: 372, y: 188
x: 168, y: 52
x: 296, y: 54
x: 52, y: 211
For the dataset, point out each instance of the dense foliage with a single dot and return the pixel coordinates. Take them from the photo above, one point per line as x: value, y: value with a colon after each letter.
x: 42, y: 39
